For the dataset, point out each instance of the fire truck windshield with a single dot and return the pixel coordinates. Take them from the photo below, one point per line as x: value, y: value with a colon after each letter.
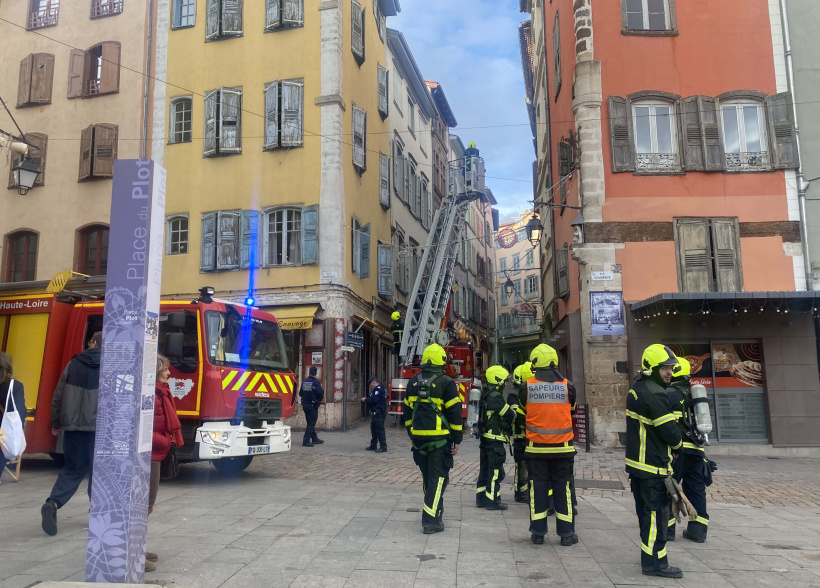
x: 244, y: 341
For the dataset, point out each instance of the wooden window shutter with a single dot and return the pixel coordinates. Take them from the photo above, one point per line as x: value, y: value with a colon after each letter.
x: 273, y: 15
x: 694, y: 250
x: 407, y: 176
x: 357, y: 30
x: 293, y: 13
x: 38, y: 156
x: 76, y: 73
x: 212, y: 17
x: 398, y: 168
x: 357, y: 246
x: 359, y: 131
x: 726, y: 251
x: 14, y: 161
x: 383, y: 98
x: 292, y: 106
x: 310, y: 234
x: 227, y: 243
x: 620, y: 132
x: 211, y: 110
x: 692, y: 133
x: 562, y: 265
x: 110, y: 72
x: 24, y: 82
x: 271, y: 115
x: 231, y: 17
x: 208, y: 260
x: 86, y: 144
x: 713, y: 156
x: 105, y: 150
x: 564, y: 157
x: 385, y: 269
x: 782, y: 133
x: 556, y: 53
x: 364, y: 265
x: 230, y: 119
x: 384, y: 181
x: 425, y: 205
x: 249, y: 252
x: 42, y: 78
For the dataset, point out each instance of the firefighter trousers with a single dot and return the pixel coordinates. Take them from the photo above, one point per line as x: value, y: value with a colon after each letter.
x: 521, y: 481
x: 492, y: 455
x: 652, y: 508
x: 551, y: 473
x: 692, y: 471
x: 435, y: 474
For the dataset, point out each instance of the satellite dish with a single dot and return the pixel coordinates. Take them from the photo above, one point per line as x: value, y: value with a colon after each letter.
x: 442, y: 337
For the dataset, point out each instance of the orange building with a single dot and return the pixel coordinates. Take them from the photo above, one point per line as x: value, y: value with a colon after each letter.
x: 667, y: 189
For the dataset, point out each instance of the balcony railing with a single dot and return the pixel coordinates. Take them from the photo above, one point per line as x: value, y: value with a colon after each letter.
x: 656, y: 162
x: 747, y: 161
x: 516, y: 330
x: 100, y: 8
x: 43, y: 18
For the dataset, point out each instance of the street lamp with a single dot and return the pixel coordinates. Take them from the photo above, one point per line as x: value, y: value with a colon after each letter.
x: 509, y: 287
x: 534, y: 230
x: 25, y: 175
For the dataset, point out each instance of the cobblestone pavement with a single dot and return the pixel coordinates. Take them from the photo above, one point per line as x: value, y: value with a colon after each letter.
x: 336, y: 515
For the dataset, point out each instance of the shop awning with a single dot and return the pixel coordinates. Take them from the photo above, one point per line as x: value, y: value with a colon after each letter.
x: 294, y: 317
x: 726, y: 302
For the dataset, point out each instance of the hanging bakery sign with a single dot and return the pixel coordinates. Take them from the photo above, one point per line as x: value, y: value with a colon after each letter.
x: 507, y: 238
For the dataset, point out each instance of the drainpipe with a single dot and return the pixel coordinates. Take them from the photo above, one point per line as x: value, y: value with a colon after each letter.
x: 802, y: 183
x: 147, y: 79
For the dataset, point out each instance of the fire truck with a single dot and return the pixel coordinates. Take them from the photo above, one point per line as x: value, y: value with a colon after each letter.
x: 428, y: 309
x: 229, y: 366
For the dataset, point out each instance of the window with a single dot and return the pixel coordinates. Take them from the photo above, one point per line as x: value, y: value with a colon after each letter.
x: 411, y: 114
x: 381, y: 21
x: 176, y: 235
x: 94, y: 72
x: 383, y: 76
x: 556, y: 54
x: 230, y: 240
x: 505, y: 322
x: 518, y: 297
x: 357, y: 26
x: 180, y: 131
x: 384, y: 181
x: 184, y: 13
x: 744, y: 136
x: 708, y: 254
x: 488, y: 235
x: 416, y: 260
x: 21, y: 259
x: 655, y: 138
x: 43, y: 13
x: 385, y: 276
x: 223, y: 19
x: 424, y: 194
x: 361, y: 248
x: 423, y: 129
x: 398, y: 167
x: 401, y: 262
x: 284, y: 107
x: 530, y: 287
x: 562, y: 267
x: 38, y: 156
x: 284, y: 14
x: 502, y: 266
x: 98, y: 150
x: 93, y: 254
x: 505, y: 300
x: 516, y: 263
x: 223, y: 122
x: 529, y: 262
x: 414, y: 198
x: 284, y: 237
x: 359, y: 139
x: 36, y: 80
x: 397, y: 88
x: 648, y: 17
x: 101, y: 8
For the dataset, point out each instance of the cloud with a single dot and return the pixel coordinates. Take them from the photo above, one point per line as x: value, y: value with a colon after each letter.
x: 471, y: 48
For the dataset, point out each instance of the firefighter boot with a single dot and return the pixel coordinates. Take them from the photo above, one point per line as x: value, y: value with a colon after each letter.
x: 664, y: 572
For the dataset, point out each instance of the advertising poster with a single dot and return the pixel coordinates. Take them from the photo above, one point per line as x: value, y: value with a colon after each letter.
x: 607, y: 313
x: 699, y: 356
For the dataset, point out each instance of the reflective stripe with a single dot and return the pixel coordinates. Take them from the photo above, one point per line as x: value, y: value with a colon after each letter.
x: 410, y: 400
x: 671, y: 522
x: 638, y: 417
x: 678, y: 414
x: 653, y: 532
x: 455, y: 427
x: 439, y: 433
x: 480, y: 489
x: 662, y: 553
x: 495, y: 437
x: 504, y: 410
x: 408, y: 423
x: 700, y: 520
x: 565, y: 448
x: 535, y: 516
x: 566, y: 517
x: 450, y: 403
x: 676, y: 447
x: 436, y: 498
x: 667, y: 418
x: 647, y: 468
x: 491, y: 490
x: 520, y: 411
x: 688, y: 445
x: 549, y: 431
x: 642, y: 450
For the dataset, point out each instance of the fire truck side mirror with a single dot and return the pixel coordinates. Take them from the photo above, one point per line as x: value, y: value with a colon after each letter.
x: 173, y: 345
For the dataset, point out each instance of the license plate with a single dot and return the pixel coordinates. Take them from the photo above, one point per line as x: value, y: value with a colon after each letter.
x: 258, y: 449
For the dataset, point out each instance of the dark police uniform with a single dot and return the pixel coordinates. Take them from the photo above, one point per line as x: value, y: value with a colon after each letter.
x: 517, y: 399
x: 498, y: 416
x: 311, y: 394
x: 377, y: 403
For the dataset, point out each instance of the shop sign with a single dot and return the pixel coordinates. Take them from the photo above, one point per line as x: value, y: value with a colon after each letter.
x: 355, y: 340
x: 507, y: 238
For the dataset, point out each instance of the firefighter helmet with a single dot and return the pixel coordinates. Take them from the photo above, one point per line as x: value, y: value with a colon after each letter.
x: 496, y: 375
x: 522, y: 373
x: 434, y: 354
x: 544, y: 356
x: 657, y: 355
x: 396, y: 315
x: 682, y: 369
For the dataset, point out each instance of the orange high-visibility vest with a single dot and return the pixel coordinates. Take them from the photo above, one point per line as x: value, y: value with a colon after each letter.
x: 548, y: 412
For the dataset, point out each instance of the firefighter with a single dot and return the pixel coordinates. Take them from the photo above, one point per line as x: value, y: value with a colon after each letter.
x: 692, y: 468
x: 398, y: 332
x: 495, y: 420
x: 517, y: 399
x: 652, y: 435
x: 432, y: 416
x: 549, y: 449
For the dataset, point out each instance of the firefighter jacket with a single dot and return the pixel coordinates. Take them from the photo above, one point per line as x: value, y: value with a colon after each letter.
x: 437, y: 417
x: 517, y: 399
x: 498, y: 416
x: 398, y: 331
x: 652, y: 431
x: 679, y: 395
x: 550, y: 400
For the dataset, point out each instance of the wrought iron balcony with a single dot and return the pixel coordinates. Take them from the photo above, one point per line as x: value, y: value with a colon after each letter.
x: 46, y: 17
x: 101, y: 8
x: 656, y: 162
x: 747, y: 161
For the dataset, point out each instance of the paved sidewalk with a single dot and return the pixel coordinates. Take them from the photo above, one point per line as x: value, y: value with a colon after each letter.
x: 336, y: 515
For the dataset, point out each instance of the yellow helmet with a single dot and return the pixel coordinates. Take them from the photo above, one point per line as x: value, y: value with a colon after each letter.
x: 544, y: 356
x: 434, y: 354
x: 496, y: 375
x: 657, y: 355
x: 396, y: 315
x: 682, y: 369
x: 522, y: 373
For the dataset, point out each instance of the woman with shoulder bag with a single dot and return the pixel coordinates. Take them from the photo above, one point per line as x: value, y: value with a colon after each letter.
x: 167, y: 435
x: 10, y: 387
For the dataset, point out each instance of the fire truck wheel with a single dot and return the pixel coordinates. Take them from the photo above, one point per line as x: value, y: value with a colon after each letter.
x: 231, y: 466
x: 59, y: 459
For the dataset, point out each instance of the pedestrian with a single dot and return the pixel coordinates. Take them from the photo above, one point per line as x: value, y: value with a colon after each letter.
x: 495, y: 420
x: 550, y: 452
x: 311, y: 394
x: 652, y: 435
x: 167, y: 433
x: 517, y: 399
x: 14, y: 388
x: 432, y: 417
x: 377, y: 403
x: 398, y: 332
x: 74, y: 414
x: 691, y: 467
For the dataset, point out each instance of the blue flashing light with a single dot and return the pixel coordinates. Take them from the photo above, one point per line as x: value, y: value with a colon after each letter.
x: 249, y: 301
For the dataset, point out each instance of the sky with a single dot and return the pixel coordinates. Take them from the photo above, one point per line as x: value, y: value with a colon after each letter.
x: 471, y: 48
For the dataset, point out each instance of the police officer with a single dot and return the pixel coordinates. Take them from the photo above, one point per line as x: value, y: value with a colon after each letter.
x: 398, y: 332
x: 550, y: 452
x: 496, y: 417
x: 432, y: 417
x: 517, y: 399
x: 311, y: 394
x: 652, y: 435
x: 692, y: 468
x: 377, y: 403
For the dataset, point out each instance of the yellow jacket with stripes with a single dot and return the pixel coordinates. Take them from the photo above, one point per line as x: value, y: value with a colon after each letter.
x: 652, y: 432
x: 427, y: 423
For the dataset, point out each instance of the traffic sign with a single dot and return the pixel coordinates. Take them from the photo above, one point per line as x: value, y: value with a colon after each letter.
x: 347, y: 348
x: 355, y: 340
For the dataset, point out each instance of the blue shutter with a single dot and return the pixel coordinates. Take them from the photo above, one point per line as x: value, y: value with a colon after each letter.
x: 385, y: 270
x: 249, y: 252
x: 208, y: 260
x: 310, y: 234
x: 364, y: 266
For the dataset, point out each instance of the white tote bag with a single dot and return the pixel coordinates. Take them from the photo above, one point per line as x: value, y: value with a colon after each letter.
x: 15, y: 443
